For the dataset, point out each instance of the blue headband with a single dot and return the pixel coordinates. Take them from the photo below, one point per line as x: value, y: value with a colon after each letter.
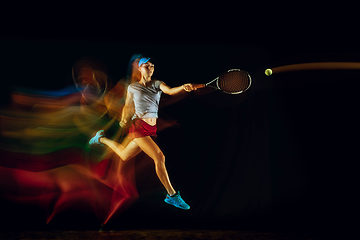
x: 143, y: 60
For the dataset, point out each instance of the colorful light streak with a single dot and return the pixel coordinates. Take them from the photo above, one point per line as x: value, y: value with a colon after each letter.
x: 46, y: 160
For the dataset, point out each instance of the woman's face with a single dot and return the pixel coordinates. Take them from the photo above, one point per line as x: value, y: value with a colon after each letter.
x: 147, y: 69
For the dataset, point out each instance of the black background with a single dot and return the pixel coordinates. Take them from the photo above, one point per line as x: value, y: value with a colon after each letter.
x: 280, y: 157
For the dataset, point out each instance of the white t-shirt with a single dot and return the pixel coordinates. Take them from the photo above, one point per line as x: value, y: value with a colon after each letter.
x: 146, y: 99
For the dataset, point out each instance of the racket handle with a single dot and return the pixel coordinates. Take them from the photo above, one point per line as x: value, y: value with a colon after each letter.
x: 199, y: 85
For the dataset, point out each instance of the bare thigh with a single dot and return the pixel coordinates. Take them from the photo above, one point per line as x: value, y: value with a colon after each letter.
x: 131, y: 150
x: 150, y: 148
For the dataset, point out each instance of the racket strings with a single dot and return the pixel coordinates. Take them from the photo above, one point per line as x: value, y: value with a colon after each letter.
x: 234, y: 81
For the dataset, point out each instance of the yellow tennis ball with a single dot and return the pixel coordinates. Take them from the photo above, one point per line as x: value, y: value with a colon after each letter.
x: 268, y: 72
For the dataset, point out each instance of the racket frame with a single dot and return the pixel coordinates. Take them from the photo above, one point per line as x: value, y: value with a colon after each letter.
x: 215, y: 84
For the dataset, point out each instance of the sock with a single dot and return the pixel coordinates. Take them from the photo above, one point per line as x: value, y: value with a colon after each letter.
x: 174, y: 194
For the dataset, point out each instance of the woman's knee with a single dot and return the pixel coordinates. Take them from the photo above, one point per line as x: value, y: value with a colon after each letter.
x: 160, y: 158
x: 124, y: 157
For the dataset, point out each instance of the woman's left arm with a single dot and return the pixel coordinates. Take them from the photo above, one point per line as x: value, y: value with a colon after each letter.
x: 188, y: 87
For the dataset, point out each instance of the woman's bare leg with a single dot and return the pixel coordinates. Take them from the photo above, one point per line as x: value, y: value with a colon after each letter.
x: 152, y: 150
x: 147, y: 145
x: 125, y: 153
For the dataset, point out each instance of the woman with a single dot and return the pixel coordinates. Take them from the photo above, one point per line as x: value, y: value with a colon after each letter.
x: 141, y: 106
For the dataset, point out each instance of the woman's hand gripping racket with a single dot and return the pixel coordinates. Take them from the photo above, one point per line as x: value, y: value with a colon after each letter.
x: 233, y: 81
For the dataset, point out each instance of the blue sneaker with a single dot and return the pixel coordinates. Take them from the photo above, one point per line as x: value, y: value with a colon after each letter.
x: 177, y: 201
x: 96, y: 138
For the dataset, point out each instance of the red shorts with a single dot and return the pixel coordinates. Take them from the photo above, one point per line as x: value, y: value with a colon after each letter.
x: 139, y: 129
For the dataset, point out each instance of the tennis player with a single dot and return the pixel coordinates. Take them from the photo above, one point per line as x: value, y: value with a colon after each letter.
x: 141, y: 111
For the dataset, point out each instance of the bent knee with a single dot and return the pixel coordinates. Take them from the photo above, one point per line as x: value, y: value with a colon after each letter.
x: 124, y: 158
x: 160, y: 158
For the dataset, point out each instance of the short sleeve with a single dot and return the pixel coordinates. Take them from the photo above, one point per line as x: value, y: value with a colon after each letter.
x: 129, y: 89
x: 157, y: 84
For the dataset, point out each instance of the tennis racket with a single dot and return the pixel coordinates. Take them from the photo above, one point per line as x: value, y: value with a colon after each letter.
x: 233, y: 81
